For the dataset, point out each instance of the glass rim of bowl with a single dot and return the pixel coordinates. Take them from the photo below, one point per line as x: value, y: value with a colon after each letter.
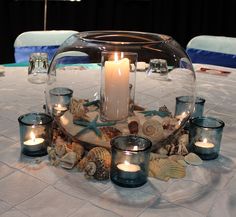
x: 156, y: 38
x: 197, y: 100
x: 148, y: 143
x: 20, y: 119
x: 199, y: 122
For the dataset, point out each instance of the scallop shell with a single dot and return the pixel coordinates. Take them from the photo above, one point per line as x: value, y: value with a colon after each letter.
x: 164, y: 169
x: 155, y: 156
x: 97, y: 170
x: 69, y: 160
x: 100, y: 153
x: 152, y: 128
x: 193, y: 159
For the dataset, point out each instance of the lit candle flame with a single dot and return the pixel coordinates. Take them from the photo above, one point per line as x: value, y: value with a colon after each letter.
x: 135, y: 148
x: 126, y: 162
x: 32, y: 136
x: 205, y: 140
x: 116, y: 56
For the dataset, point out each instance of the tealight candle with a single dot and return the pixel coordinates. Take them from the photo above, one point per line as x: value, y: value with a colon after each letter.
x: 130, y: 158
x: 128, y: 170
x: 204, y: 147
x: 34, y: 143
x: 59, y: 100
x: 205, y: 136
x: 35, y: 133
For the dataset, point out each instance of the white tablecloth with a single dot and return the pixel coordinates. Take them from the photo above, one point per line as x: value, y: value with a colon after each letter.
x: 30, y: 188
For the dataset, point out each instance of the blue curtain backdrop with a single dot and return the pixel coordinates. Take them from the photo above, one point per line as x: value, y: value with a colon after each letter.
x: 182, y: 19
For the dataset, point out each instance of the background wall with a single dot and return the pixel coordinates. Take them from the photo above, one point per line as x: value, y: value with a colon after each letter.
x: 177, y: 18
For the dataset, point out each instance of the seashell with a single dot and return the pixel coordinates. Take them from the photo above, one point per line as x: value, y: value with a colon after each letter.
x: 82, y: 164
x: 170, y: 123
x: 183, y: 139
x: 152, y: 128
x: 176, y: 157
x: 110, y: 132
x: 162, y: 151
x: 78, y: 149
x: 193, y: 159
x: 182, y: 162
x: 77, y: 109
x: 172, y: 169
x: 156, y: 171
x: 155, y: 156
x: 51, y: 153
x: 133, y: 127
x: 100, y: 153
x: 97, y: 170
x: 170, y: 148
x: 60, y: 146
x: 69, y: 160
x: 164, y: 169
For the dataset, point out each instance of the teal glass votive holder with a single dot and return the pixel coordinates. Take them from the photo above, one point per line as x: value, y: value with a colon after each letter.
x: 130, y: 160
x: 35, y: 133
x: 183, y: 103
x: 59, y: 100
x: 205, y: 136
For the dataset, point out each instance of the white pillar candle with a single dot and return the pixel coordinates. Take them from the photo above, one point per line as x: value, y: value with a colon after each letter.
x: 116, y: 91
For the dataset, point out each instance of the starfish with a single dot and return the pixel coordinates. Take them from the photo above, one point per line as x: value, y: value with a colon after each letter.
x: 94, y: 102
x: 93, y: 125
x: 155, y: 112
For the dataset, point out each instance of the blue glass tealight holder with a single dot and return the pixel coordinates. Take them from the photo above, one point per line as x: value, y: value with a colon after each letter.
x: 183, y: 107
x: 183, y: 103
x: 35, y: 133
x: 59, y: 100
x: 130, y: 160
x: 205, y: 137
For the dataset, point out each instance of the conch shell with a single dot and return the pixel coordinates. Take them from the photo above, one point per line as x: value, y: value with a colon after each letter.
x: 97, y: 170
x: 96, y: 164
x: 152, y: 128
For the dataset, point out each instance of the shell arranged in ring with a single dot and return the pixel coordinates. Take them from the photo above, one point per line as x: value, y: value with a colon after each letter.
x: 153, y: 129
x: 193, y: 159
x: 96, y: 164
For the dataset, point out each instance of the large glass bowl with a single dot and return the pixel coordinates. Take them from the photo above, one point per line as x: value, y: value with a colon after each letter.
x: 163, y: 71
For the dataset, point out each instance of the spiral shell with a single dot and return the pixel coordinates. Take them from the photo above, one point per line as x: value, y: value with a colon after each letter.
x: 152, y: 128
x: 97, y: 170
x: 100, y: 153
